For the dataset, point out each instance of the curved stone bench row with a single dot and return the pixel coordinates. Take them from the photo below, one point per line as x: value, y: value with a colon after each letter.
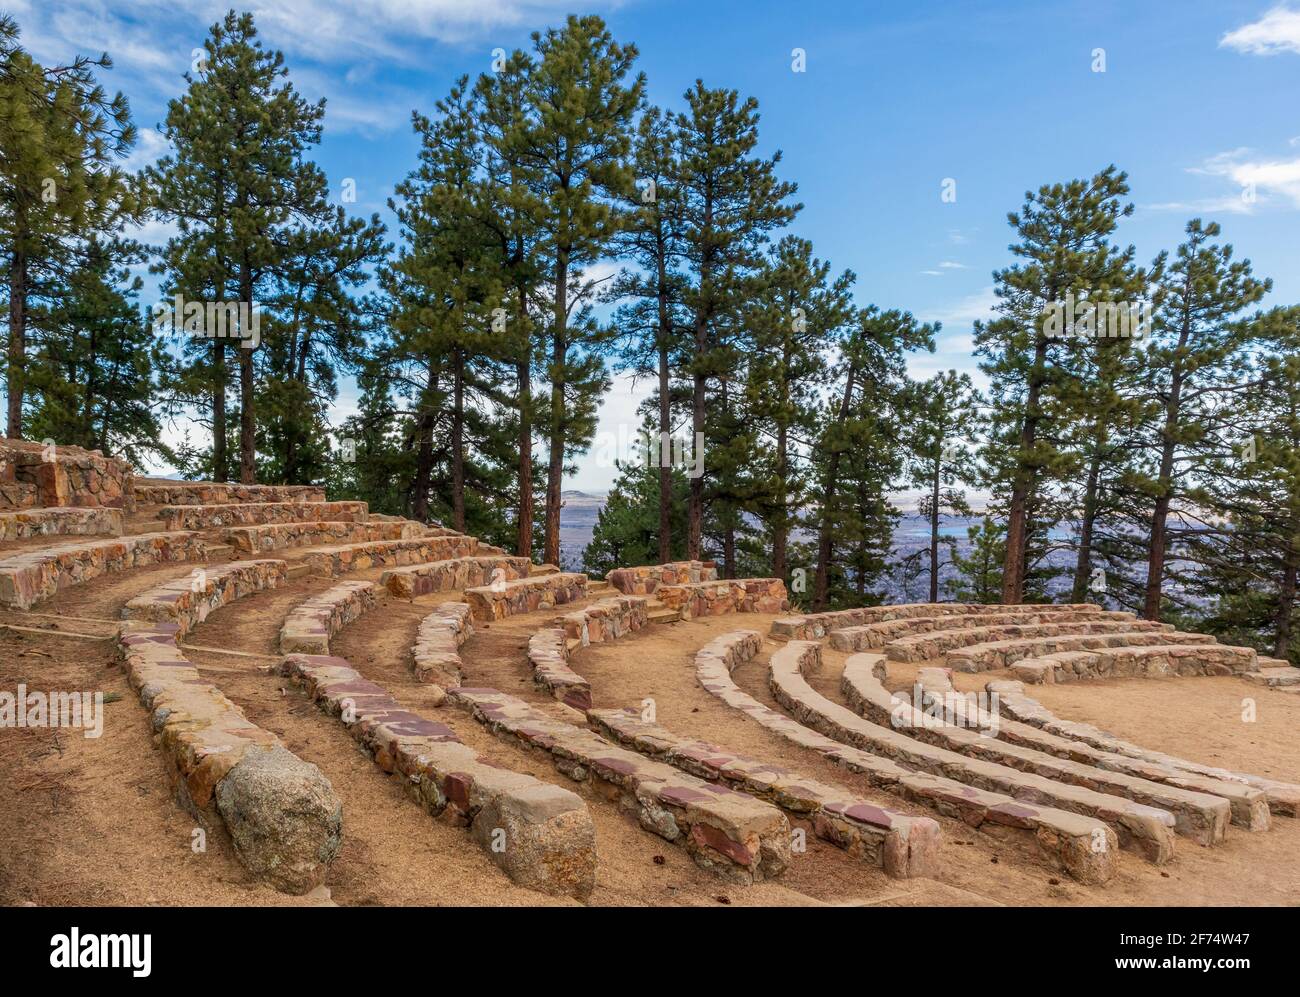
x: 280, y: 536
x: 280, y: 812
x: 188, y: 600
x: 33, y: 575
x: 1283, y: 797
x: 1083, y: 847
x: 525, y: 595
x: 1146, y: 828
x: 156, y: 492
x: 548, y: 654
x: 437, y: 645
x: 1158, y: 661
x: 815, y: 626
x: 732, y: 834
x: 311, y: 624
x: 1198, y: 815
x: 65, y: 521
x: 208, y: 517
x: 342, y: 558
x: 644, y: 579
x: 607, y: 619
x: 452, y: 574
x: 1249, y: 806
x: 540, y: 835
x: 733, y: 595
x: 927, y: 646
x: 903, y: 846
x: 996, y: 654
x: 872, y: 636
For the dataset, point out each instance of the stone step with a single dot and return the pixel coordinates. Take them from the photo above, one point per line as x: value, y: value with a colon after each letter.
x: 543, y: 569
x: 665, y: 615
x: 1274, y: 677
x: 220, y: 552
x: 298, y: 571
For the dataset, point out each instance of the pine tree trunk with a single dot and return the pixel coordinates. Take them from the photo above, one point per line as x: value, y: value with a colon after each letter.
x: 423, y: 468
x: 17, y: 342
x: 458, y: 445
x: 780, y: 532
x: 695, y: 512
x: 219, y: 410
x: 934, y: 531
x: 665, y: 414
x: 524, y: 392
x: 247, y: 427
x: 1286, y: 602
x: 555, y: 466
x: 821, y: 584
x: 1160, y: 515
x: 1013, y: 568
x: 1083, y: 565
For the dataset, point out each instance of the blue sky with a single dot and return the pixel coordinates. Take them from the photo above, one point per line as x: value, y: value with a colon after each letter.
x: 1198, y: 102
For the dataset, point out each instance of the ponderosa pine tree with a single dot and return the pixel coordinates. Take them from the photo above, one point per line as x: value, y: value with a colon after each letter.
x: 61, y: 137
x: 650, y: 320
x: 1063, y: 232
x: 1195, y: 368
x: 573, y: 147
x: 731, y: 201
x: 795, y: 316
x: 236, y: 183
x: 941, y: 418
x: 856, y: 456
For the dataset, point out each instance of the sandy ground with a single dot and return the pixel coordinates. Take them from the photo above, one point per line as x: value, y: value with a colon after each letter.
x: 92, y: 821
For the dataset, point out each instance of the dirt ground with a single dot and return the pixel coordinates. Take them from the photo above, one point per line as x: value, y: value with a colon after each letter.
x: 92, y: 821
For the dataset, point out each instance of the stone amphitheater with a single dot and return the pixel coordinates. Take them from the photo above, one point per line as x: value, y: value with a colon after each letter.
x: 310, y: 704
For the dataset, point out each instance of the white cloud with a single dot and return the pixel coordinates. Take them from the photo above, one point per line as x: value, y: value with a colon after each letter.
x: 952, y: 265
x: 1277, y: 31
x: 1259, y: 181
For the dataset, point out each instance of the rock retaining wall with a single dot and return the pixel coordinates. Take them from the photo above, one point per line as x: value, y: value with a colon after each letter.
x: 208, y: 517
x: 188, y: 600
x: 34, y: 475
x: 67, y: 521
x: 309, y: 627
x: 608, y: 619
x: 437, y: 645
x: 156, y: 491
x: 279, y: 536
x: 644, y: 579
x: 452, y: 575
x: 735, y: 595
x: 387, y: 554
x: 33, y: 575
x: 525, y: 595
x: 281, y: 813
x: 1161, y: 661
x: 540, y: 835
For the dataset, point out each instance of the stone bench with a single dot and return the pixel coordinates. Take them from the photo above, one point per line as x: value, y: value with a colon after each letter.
x: 188, y: 600
x: 903, y: 846
x: 309, y: 627
x: 452, y: 575
x: 155, y: 491
x: 208, y: 517
x: 740, y: 838
x: 927, y: 646
x: 1146, y: 828
x: 280, y: 536
x: 525, y: 595
x: 1199, y: 815
x: 644, y: 579
x: 815, y: 626
x: 342, y: 558
x: 1283, y: 797
x: 33, y: 575
x: 548, y: 654
x: 1159, y: 661
x: 872, y: 636
x: 608, y: 619
x: 1083, y: 847
x: 437, y: 645
x: 733, y: 595
x: 540, y: 835
x: 934, y: 685
x: 280, y: 812
x: 64, y: 521
x: 997, y: 654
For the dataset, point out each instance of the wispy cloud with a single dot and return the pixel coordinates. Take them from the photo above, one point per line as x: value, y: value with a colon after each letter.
x: 1276, y: 32
x: 1259, y: 181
